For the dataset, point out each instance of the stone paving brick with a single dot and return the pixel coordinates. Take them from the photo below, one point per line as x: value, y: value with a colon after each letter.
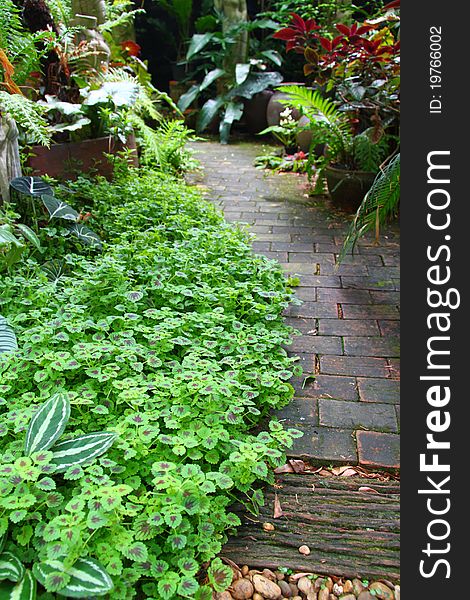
x: 342, y: 296
x: 379, y: 390
x: 351, y: 309
x: 381, y: 449
x: 308, y: 257
x: 299, y: 411
x: 372, y: 346
x: 330, y: 281
x: 359, y: 366
x: 394, y: 368
x: 389, y: 327
x: 312, y: 310
x: 316, y: 344
x: 324, y: 444
x: 331, y: 386
x: 397, y: 408
x: 385, y: 297
x: 354, y: 415
x: 368, y: 283
x: 377, y: 311
x: 349, y: 327
x: 306, y: 293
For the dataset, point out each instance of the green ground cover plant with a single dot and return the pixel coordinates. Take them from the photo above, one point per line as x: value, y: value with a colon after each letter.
x: 166, y: 343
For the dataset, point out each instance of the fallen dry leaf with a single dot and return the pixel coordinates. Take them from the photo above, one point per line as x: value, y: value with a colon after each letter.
x: 297, y: 465
x: 298, y: 576
x: 368, y: 490
x: 277, y: 507
x: 340, y: 470
x: 349, y: 473
x: 287, y: 468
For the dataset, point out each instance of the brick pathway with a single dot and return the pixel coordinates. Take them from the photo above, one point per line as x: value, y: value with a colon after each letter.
x: 349, y: 319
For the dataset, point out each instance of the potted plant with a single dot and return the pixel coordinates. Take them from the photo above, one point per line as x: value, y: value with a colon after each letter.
x: 350, y: 161
x: 226, y: 87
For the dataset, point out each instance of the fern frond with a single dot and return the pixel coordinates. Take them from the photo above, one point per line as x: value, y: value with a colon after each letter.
x: 380, y: 203
x: 28, y: 116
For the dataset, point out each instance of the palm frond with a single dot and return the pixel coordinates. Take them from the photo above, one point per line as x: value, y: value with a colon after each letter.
x: 380, y: 203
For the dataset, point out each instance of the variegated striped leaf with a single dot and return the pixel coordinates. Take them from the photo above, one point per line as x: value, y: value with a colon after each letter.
x: 11, y: 567
x: 7, y: 337
x: 48, y: 424
x: 23, y: 590
x: 88, y: 577
x: 81, y: 450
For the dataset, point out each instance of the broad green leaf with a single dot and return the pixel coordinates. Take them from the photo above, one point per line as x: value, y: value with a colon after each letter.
x: 58, y: 209
x: 120, y: 93
x: 85, y: 235
x: 47, y: 424
x: 31, y: 186
x: 204, y: 593
x: 29, y: 234
x: 188, y: 98
x: 78, y: 124
x: 7, y: 336
x: 273, y: 56
x: 197, y: 43
x: 23, y: 590
x: 208, y: 112
x: 88, y: 578
x: 65, y: 108
x: 255, y: 83
x: 210, y: 78
x: 7, y: 237
x: 81, y: 450
x: 233, y: 112
x: 220, y: 575
x: 242, y: 71
x: 11, y: 567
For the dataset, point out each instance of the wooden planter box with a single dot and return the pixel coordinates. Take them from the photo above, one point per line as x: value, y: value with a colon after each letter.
x: 66, y: 161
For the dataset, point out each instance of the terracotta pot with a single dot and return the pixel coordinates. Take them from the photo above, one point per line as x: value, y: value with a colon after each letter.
x: 255, y: 111
x: 348, y: 188
x: 66, y: 161
x: 275, y: 108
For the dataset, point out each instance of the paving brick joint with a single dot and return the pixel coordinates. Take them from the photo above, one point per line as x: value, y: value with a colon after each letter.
x: 347, y: 401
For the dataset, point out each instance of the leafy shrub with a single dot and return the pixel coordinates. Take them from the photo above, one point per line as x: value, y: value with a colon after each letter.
x: 170, y: 340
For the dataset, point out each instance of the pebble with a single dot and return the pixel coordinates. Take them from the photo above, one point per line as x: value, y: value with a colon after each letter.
x: 269, y: 574
x: 242, y: 589
x: 296, y: 598
x: 285, y: 588
x: 280, y: 575
x: 294, y: 588
x: 348, y: 587
x: 224, y: 596
x: 257, y: 596
x: 312, y: 595
x: 381, y: 591
x: 318, y: 583
x: 329, y: 584
x: 324, y: 594
x: 267, y: 588
x: 397, y: 592
x: 245, y: 570
x: 348, y: 597
x: 305, y: 585
x: 358, y: 586
x: 365, y: 595
x: 305, y: 550
x: 337, y: 589
x: 333, y: 597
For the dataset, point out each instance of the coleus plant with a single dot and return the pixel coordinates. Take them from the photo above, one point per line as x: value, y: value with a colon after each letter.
x: 28, y: 482
x: 171, y: 338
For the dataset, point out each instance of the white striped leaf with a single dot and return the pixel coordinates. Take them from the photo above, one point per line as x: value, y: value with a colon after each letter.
x: 23, y: 590
x: 7, y: 337
x: 31, y: 186
x: 47, y: 424
x: 81, y: 450
x: 11, y: 567
x: 58, y: 209
x: 88, y: 577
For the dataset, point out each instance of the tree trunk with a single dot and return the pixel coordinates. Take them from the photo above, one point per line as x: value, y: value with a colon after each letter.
x: 235, y: 12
